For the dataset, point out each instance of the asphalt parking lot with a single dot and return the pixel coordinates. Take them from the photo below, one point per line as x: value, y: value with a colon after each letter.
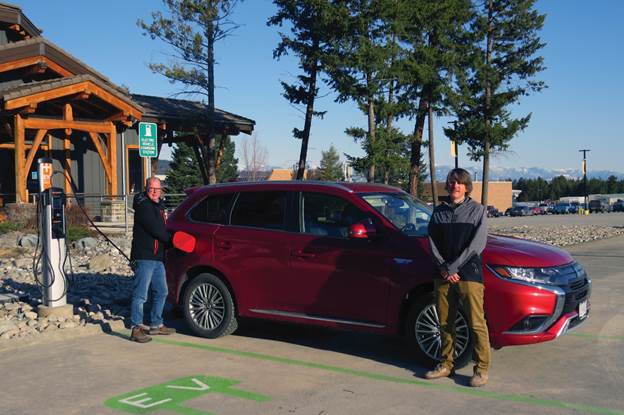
x: 267, y: 368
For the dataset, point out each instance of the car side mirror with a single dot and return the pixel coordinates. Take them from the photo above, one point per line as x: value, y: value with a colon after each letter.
x: 363, y: 230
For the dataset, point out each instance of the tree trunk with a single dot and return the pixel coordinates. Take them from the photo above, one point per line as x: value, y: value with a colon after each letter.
x: 311, y: 94
x: 200, y: 162
x: 488, y: 104
x: 417, y: 146
x: 371, y: 131
x: 434, y: 191
x: 210, y: 161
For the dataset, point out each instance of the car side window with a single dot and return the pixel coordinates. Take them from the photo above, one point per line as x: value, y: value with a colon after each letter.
x: 260, y: 210
x: 213, y: 209
x: 328, y: 215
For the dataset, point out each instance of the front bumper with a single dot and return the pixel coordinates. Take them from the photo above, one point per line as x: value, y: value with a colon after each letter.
x: 562, y: 308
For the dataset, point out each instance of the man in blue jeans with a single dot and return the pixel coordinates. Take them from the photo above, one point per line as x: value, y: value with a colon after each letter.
x: 149, y: 239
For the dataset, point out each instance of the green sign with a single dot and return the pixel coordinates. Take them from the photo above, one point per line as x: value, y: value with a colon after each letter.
x: 170, y: 395
x: 148, y: 139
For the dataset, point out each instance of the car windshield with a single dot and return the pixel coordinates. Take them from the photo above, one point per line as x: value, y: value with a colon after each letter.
x: 409, y: 215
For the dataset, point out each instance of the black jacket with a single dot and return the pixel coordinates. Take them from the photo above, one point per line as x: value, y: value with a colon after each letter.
x: 457, y: 237
x: 149, y: 233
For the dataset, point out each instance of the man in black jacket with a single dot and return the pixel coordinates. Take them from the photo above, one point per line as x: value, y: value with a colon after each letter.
x: 149, y: 239
x: 457, y: 237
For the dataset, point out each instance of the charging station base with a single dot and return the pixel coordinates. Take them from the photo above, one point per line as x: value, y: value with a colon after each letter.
x: 66, y: 311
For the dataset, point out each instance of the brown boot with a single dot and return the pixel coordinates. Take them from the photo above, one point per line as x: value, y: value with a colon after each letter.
x: 162, y: 330
x: 439, y: 371
x: 138, y: 335
x: 478, y: 379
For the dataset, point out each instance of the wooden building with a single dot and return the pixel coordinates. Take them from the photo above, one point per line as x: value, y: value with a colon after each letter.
x: 54, y: 105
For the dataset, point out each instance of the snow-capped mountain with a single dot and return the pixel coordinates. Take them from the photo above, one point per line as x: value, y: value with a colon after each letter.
x: 514, y: 173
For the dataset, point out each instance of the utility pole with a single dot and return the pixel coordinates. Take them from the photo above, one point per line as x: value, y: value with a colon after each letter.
x: 584, y: 151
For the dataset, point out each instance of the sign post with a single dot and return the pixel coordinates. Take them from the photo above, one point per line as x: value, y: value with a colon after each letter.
x: 148, y: 139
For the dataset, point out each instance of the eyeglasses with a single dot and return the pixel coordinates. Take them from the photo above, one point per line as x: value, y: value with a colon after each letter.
x: 154, y: 189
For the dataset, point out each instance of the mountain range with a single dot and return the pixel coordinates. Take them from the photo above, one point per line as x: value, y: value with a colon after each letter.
x: 514, y: 173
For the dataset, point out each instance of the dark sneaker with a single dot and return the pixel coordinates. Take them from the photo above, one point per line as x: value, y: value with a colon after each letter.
x: 162, y: 330
x: 478, y: 379
x: 439, y: 371
x: 138, y: 335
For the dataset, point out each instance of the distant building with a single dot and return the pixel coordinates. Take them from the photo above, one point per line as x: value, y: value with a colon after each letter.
x: 499, y: 193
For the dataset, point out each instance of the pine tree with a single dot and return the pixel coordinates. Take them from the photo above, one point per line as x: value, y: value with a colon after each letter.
x: 227, y: 164
x: 184, y: 169
x: 191, y: 29
x: 314, y: 26
x: 331, y: 167
x: 500, y: 67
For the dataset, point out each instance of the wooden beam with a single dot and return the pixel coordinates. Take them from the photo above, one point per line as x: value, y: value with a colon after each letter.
x: 35, y: 60
x: 56, y: 123
x: 68, y: 115
x: 67, y: 164
x: 33, y: 151
x: 112, y: 156
x: 20, y: 189
x: 86, y: 87
x: 98, y: 147
x: 11, y: 146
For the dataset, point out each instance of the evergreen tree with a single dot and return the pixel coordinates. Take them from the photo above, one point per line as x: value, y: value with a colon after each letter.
x: 184, y: 169
x: 227, y: 164
x: 500, y: 67
x: 362, y: 69
x: 191, y: 28
x: 314, y: 26
x: 331, y: 167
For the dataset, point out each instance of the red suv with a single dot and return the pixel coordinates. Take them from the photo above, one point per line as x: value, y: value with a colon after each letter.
x: 352, y: 256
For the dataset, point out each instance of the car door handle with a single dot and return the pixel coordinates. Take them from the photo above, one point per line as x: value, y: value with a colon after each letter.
x: 302, y: 255
x: 224, y: 244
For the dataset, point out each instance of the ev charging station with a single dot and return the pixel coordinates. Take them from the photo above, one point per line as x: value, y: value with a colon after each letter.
x: 52, y: 237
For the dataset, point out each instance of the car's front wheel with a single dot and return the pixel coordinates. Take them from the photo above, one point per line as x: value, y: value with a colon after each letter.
x: 423, y: 330
x: 208, y: 307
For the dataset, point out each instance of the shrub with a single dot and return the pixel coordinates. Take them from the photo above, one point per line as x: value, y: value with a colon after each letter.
x: 9, y: 226
x: 75, y: 233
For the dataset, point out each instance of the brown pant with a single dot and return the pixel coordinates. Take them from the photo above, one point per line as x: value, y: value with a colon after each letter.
x: 448, y: 297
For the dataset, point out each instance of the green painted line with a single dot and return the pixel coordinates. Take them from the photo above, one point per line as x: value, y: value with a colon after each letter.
x: 528, y: 400
x: 596, y: 336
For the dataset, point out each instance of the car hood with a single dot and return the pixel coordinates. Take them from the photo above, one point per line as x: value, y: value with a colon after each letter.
x: 505, y: 250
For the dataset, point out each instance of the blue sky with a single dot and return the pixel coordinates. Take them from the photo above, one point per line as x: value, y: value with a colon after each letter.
x: 583, y: 107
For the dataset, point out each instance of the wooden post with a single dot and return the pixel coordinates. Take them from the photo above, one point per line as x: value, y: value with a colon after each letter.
x: 112, y: 157
x: 21, y: 193
x: 68, y: 115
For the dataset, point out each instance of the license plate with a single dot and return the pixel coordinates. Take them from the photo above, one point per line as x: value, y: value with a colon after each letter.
x: 582, y: 309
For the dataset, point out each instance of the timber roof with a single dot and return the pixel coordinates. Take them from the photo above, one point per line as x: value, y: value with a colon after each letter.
x: 40, y: 46
x: 12, y: 14
x: 171, y: 109
x: 32, y: 88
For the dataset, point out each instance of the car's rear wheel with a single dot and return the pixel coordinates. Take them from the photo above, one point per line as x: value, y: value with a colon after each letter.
x: 208, y: 307
x: 423, y: 330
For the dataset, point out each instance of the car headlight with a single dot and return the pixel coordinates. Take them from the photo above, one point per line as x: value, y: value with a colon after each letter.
x: 549, y: 276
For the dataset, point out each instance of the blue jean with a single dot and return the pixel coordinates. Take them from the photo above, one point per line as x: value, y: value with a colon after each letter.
x: 147, y: 272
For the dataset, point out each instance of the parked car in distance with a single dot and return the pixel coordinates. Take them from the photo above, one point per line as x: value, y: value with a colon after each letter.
x: 575, y: 206
x: 492, y: 212
x: 618, y: 206
x: 352, y: 256
x: 562, y: 208
x: 535, y: 210
x: 544, y: 208
x: 599, y: 206
x: 520, y: 211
